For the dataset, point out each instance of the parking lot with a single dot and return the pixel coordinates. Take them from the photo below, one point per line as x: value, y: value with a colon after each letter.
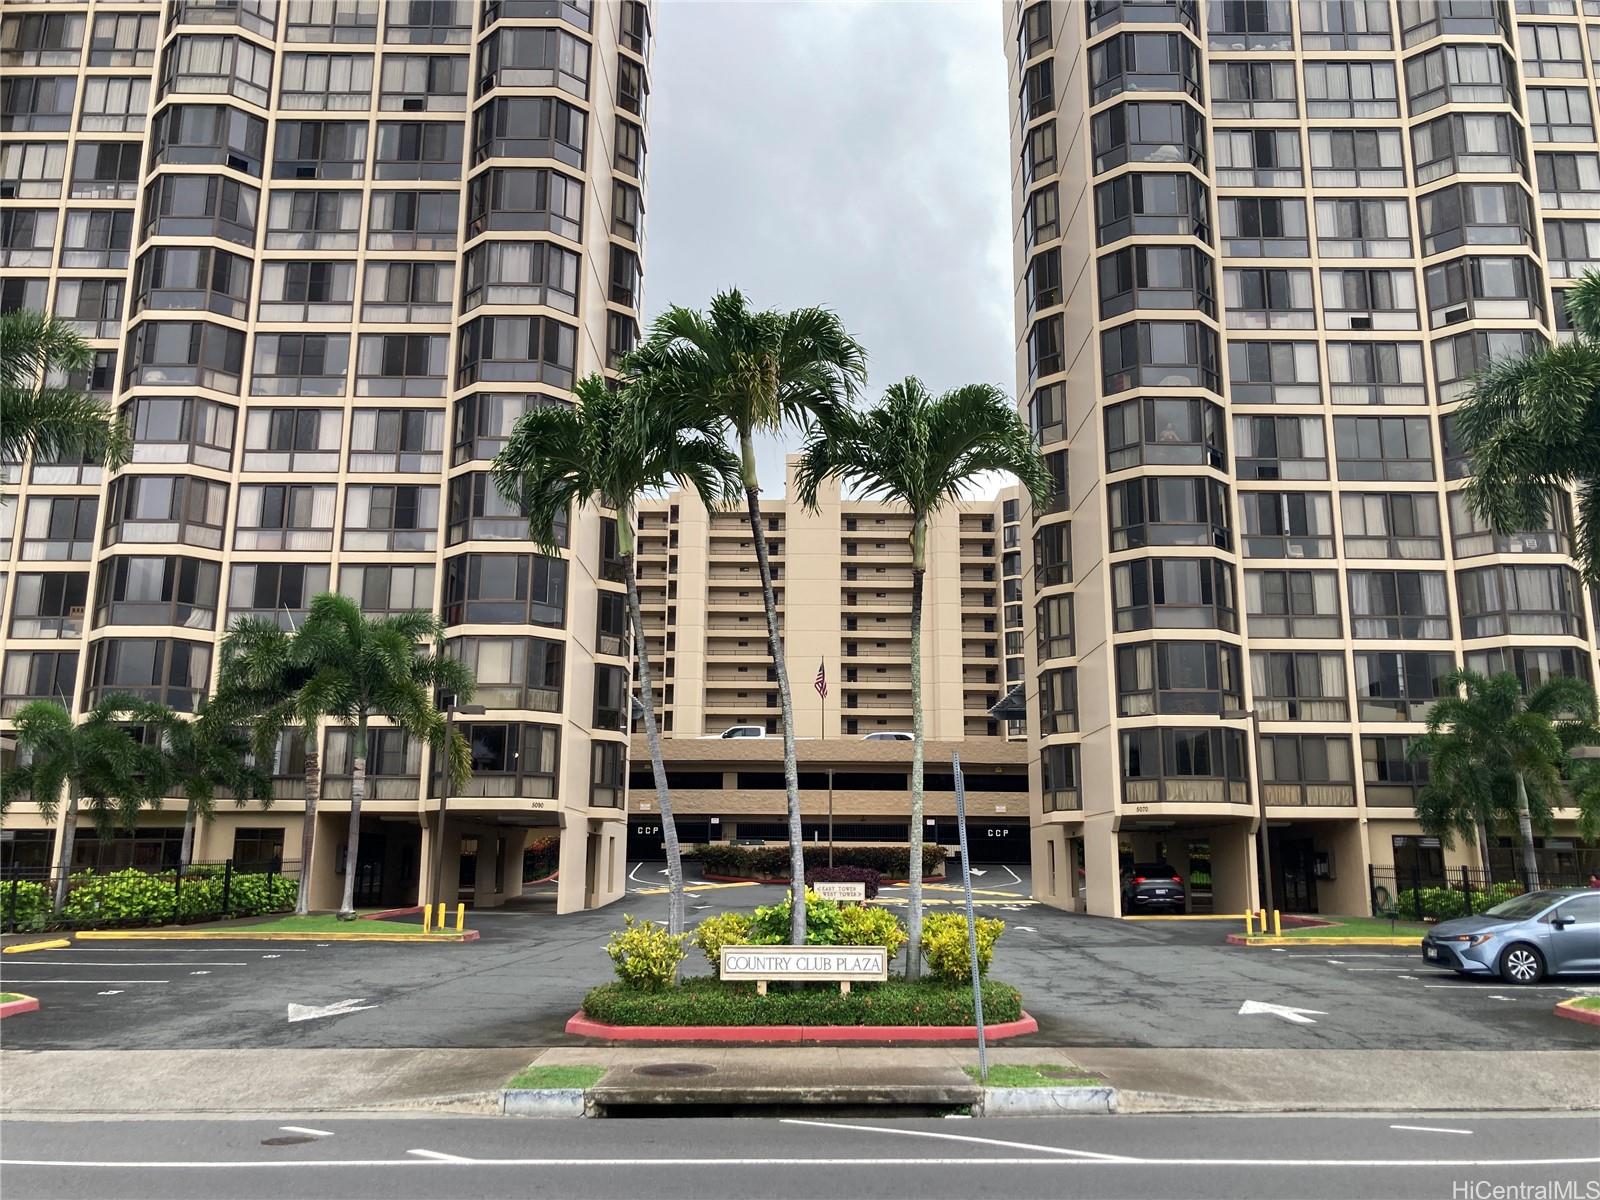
x: 1089, y: 981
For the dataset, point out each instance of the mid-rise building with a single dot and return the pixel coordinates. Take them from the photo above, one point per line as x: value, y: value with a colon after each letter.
x: 842, y: 575
x: 327, y: 252
x: 1261, y: 247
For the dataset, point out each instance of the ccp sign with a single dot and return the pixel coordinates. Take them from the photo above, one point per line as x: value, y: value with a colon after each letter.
x: 837, y: 964
x: 841, y: 892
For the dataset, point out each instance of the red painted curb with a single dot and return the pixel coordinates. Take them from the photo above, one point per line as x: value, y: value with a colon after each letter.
x: 12, y: 1008
x: 412, y: 911
x: 581, y: 1026
x: 1588, y: 1016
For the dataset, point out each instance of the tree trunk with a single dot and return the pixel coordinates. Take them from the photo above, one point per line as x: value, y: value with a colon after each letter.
x: 919, y: 578
x: 652, y: 733
x: 69, y: 833
x: 308, y: 830
x: 358, y: 793
x: 1530, y: 857
x: 1483, y: 854
x: 791, y: 774
x: 186, y: 851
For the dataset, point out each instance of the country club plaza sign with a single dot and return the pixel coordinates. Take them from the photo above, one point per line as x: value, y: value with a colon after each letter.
x: 834, y: 963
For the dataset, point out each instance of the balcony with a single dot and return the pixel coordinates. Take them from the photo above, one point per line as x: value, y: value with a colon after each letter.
x: 1311, y: 795
x: 1184, y: 791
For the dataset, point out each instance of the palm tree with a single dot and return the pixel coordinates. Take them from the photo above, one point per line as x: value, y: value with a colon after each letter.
x: 1532, y: 422
x: 610, y: 450
x: 54, y: 424
x: 97, y: 760
x: 364, y: 667
x: 261, y: 684
x: 758, y: 372
x: 923, y: 452
x: 201, y: 756
x: 1509, y: 752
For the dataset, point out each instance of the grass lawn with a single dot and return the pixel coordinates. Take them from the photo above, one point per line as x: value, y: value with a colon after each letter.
x: 1358, y: 927
x: 8, y: 997
x: 1008, y: 1075
x: 576, y: 1076
x: 1589, y: 1003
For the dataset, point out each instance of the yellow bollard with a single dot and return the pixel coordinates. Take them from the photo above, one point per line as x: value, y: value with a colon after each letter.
x: 461, y: 918
x: 440, y: 921
x: 1249, y: 924
x: 427, y: 918
x: 1277, y: 923
x: 1263, y: 922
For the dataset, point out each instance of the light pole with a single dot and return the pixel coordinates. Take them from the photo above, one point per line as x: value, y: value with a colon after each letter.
x: 1263, y: 842
x: 451, y: 712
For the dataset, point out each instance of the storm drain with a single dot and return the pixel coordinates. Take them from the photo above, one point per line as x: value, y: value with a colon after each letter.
x: 674, y: 1070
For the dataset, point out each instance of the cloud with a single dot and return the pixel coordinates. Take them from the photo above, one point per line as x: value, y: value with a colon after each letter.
x: 852, y: 155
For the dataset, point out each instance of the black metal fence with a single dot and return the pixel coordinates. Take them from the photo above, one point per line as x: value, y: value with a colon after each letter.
x: 138, y: 896
x: 1416, y: 893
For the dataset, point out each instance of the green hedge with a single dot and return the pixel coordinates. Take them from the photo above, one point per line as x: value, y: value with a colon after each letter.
x: 1444, y: 904
x: 700, y: 1000
x: 31, y: 906
x: 134, y: 897
x: 773, y: 861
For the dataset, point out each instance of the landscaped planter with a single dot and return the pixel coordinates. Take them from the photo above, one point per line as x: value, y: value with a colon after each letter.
x: 582, y: 1026
x: 22, y: 1004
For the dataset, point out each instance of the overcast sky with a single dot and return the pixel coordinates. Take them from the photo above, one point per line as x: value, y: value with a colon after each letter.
x: 846, y: 154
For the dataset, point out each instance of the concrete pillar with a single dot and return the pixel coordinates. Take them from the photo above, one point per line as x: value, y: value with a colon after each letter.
x: 573, y: 886
x: 1346, y: 893
x: 1102, y: 867
x: 1234, y: 884
x: 1178, y: 860
x: 517, y: 839
x: 326, y: 885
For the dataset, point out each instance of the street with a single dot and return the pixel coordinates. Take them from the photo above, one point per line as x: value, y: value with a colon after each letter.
x: 1089, y: 981
x: 432, y: 1157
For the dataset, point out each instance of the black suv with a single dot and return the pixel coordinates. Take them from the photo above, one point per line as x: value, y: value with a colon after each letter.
x: 1151, y: 885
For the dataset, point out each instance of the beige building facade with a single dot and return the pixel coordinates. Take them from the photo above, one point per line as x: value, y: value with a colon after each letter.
x: 842, y: 575
x: 327, y: 252
x: 1260, y: 250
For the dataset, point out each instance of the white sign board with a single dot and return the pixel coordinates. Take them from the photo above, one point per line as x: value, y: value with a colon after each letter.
x: 842, y: 964
x: 841, y: 892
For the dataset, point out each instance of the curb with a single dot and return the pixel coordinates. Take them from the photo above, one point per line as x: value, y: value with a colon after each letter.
x: 542, y: 1102
x: 15, y: 1008
x: 410, y: 911
x: 52, y: 944
x: 244, y: 935
x: 1239, y: 939
x: 1570, y: 1010
x: 887, y: 1035
x: 1046, y: 1101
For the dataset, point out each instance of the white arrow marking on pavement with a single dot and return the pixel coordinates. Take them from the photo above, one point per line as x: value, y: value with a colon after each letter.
x: 304, y: 1012
x: 977, y: 871
x: 664, y: 871
x: 199, y: 972
x: 1298, y: 1016
x: 271, y: 956
x: 438, y: 1156
x: 305, y: 1130
x: 1412, y: 978
x: 112, y: 992
x: 1023, y: 929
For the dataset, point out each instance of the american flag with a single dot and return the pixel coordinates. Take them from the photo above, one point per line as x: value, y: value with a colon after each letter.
x: 821, y: 683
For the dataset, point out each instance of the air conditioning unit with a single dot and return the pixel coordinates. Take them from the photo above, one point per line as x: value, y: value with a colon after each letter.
x: 414, y: 104
x: 1361, y: 322
x: 75, y: 611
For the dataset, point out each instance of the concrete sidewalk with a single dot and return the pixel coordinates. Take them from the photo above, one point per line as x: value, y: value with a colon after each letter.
x: 134, y: 1082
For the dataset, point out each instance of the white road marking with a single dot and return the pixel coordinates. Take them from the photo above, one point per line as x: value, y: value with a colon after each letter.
x: 1478, y: 987
x: 269, y: 956
x: 1088, y: 1155
x: 1430, y: 1129
x: 437, y: 1156
x: 1412, y: 978
x: 1279, y: 950
x: 96, y: 962
x: 112, y: 992
x: 14, y: 979
x: 700, y: 1163
x: 1336, y: 962
x: 969, y: 971
x: 1507, y: 999
x: 1355, y: 970
x: 1297, y: 1016
x: 631, y: 874
x: 304, y: 1130
x: 307, y: 1012
x: 1020, y: 929
x: 977, y: 871
x: 1015, y: 878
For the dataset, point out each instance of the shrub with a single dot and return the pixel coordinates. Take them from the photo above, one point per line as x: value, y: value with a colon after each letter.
x: 700, y: 1000
x: 724, y: 929
x: 862, y: 926
x: 944, y: 944
x: 27, y: 903
x: 773, y: 861
x: 121, y: 897
x: 866, y: 875
x: 770, y: 924
x: 1446, y: 903
x: 646, y: 956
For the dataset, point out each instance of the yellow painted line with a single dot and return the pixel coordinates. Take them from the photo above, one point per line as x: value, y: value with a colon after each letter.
x: 691, y: 889
x: 53, y: 944
x: 187, y: 935
x: 1187, y: 917
x: 1333, y: 941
